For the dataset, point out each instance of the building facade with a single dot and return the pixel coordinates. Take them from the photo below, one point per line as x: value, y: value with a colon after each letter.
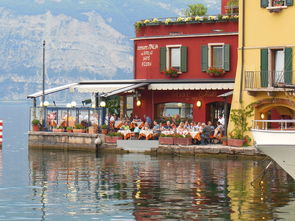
x: 201, y: 54
x: 265, y: 59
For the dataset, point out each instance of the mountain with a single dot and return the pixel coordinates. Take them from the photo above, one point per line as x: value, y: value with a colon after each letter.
x: 85, y: 40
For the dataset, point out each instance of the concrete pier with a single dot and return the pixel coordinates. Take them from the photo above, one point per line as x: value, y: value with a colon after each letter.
x: 88, y: 142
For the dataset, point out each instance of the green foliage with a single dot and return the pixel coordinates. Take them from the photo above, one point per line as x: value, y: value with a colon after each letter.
x: 35, y: 122
x: 113, y: 105
x: 167, y: 135
x: 114, y: 134
x: 239, y: 118
x: 104, y: 126
x: 79, y: 126
x: 195, y: 10
x: 69, y: 128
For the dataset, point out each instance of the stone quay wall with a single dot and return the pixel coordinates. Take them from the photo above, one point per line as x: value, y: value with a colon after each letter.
x: 63, y: 140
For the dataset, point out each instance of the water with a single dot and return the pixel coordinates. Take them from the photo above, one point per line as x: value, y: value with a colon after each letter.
x: 64, y: 185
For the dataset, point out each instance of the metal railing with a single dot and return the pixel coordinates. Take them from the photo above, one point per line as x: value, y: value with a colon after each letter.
x: 63, y: 116
x: 253, y: 79
x: 273, y: 125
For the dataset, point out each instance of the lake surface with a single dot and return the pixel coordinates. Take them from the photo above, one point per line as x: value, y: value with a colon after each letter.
x: 61, y: 185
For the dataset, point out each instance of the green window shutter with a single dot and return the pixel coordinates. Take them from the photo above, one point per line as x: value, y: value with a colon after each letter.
x: 289, y: 2
x: 183, y: 59
x: 263, y: 3
x: 226, y: 61
x: 264, y: 67
x: 163, y: 58
x: 288, y: 66
x: 204, y: 60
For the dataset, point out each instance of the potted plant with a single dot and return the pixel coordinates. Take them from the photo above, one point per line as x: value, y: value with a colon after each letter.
x: 215, y: 72
x: 79, y: 128
x: 36, y: 125
x: 69, y: 129
x: 171, y: 72
x: 166, y: 139
x: 183, y: 139
x: 277, y: 3
x: 224, y: 141
x: 113, y: 137
x: 239, y: 118
x: 58, y: 129
x: 104, y: 129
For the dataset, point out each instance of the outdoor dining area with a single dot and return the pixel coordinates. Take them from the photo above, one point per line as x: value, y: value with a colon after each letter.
x: 167, y: 132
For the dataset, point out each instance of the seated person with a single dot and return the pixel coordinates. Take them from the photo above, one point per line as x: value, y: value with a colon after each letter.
x: 136, y: 130
x: 168, y: 126
x: 156, y: 130
x: 205, y: 136
x: 146, y: 126
x: 180, y: 129
x: 125, y: 126
x: 218, y: 130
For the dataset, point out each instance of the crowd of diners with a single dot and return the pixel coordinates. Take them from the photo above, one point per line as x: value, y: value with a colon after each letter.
x: 135, y: 127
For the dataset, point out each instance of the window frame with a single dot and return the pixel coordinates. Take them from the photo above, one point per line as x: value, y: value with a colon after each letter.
x: 169, y: 54
x: 210, y: 53
x: 271, y: 64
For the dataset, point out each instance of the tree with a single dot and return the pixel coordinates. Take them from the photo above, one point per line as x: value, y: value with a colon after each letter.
x: 195, y: 10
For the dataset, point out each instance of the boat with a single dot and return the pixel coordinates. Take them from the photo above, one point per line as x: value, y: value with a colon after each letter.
x: 276, y: 139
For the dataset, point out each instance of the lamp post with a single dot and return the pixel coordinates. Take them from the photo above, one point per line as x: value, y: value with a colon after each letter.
x: 43, y: 88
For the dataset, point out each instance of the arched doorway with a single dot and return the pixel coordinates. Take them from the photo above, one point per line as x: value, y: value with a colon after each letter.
x: 275, y: 109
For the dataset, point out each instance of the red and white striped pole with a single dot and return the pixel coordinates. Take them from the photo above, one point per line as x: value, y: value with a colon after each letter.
x: 1, y: 132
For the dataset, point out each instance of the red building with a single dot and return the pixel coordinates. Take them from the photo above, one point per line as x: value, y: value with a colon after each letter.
x: 183, y: 67
x: 193, y: 47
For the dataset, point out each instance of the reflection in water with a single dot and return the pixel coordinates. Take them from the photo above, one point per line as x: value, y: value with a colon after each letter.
x: 141, y: 187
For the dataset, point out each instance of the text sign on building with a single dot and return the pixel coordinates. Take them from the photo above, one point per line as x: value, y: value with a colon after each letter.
x: 145, y: 54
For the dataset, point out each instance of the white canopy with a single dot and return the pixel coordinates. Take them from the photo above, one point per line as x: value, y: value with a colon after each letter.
x: 98, y: 88
x: 193, y: 86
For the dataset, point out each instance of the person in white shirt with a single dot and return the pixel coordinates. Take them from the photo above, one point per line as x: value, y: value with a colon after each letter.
x: 221, y: 119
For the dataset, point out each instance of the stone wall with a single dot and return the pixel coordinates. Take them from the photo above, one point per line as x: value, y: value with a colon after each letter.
x: 71, y: 141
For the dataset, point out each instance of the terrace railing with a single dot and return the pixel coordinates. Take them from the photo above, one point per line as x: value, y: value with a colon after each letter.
x: 265, y: 79
x: 67, y: 116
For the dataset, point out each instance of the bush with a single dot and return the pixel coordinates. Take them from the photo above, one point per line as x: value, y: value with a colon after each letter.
x: 79, y: 126
x: 69, y: 128
x: 35, y: 122
x: 114, y: 134
x: 104, y: 126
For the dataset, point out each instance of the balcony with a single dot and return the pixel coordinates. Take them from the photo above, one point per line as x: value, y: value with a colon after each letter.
x: 267, y: 81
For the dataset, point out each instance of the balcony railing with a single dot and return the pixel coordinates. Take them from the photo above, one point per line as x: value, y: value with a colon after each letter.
x: 259, y: 80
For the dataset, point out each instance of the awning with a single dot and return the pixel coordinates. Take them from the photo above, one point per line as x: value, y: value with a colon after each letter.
x: 51, y: 90
x: 125, y: 89
x: 192, y: 86
x: 98, y: 88
x: 227, y: 94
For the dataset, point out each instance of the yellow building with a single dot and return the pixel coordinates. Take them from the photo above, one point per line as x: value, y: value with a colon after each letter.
x: 265, y: 59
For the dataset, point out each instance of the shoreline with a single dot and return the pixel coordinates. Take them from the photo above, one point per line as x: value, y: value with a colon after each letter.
x: 87, y: 142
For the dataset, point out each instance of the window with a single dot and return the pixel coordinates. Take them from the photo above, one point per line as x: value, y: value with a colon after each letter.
x: 182, y: 110
x: 215, y: 55
x: 173, y: 56
x: 276, y: 66
x: 275, y: 5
